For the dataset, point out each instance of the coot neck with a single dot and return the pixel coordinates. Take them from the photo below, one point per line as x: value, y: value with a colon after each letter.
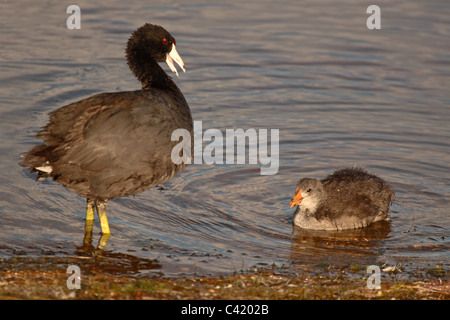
x: 148, y: 71
x: 151, y: 75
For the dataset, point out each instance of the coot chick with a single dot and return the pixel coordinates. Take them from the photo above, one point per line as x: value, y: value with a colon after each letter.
x: 347, y: 199
x: 117, y: 144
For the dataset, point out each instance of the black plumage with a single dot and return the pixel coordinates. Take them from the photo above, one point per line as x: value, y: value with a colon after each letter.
x: 117, y: 144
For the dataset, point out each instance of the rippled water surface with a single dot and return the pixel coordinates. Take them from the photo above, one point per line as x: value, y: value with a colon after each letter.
x: 339, y: 93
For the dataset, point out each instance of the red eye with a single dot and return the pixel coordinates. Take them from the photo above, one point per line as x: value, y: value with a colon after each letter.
x: 165, y: 41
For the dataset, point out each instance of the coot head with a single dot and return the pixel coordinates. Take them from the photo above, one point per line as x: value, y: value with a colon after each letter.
x: 148, y: 45
x: 309, y: 193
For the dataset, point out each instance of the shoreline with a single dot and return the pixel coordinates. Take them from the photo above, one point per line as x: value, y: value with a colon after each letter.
x: 45, y: 279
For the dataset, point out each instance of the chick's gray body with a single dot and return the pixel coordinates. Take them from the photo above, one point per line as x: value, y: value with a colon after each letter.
x: 347, y: 199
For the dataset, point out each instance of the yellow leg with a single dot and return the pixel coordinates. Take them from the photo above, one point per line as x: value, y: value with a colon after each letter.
x: 103, y: 241
x: 88, y: 232
x: 101, y: 210
x: 88, y: 226
x: 90, y: 210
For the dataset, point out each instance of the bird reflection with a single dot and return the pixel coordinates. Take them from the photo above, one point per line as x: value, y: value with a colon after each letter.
x: 319, y: 246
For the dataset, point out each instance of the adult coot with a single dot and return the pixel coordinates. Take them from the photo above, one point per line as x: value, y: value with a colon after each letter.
x: 347, y: 199
x: 117, y: 144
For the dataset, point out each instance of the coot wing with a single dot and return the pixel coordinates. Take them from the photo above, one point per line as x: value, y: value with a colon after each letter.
x: 115, y: 147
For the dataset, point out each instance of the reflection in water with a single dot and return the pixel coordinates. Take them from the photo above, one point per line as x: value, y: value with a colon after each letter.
x: 92, y: 259
x: 88, y: 227
x: 360, y: 245
x: 340, y: 94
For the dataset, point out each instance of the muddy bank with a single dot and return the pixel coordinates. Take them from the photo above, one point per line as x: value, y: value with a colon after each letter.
x: 48, y: 279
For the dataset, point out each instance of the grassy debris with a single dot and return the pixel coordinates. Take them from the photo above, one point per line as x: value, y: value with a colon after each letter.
x: 51, y: 284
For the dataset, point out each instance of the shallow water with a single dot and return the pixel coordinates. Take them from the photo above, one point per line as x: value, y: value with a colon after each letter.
x: 340, y: 95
